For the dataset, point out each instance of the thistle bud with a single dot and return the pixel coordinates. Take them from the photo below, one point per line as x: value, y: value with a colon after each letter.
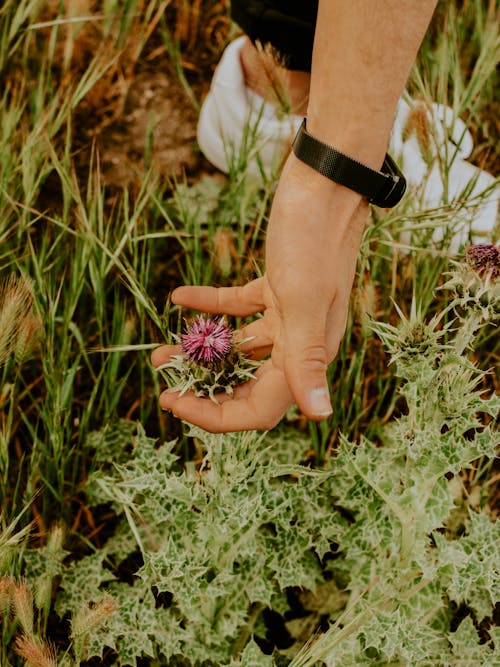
x: 211, y: 361
x: 475, y: 283
x: 484, y: 258
x: 207, y: 341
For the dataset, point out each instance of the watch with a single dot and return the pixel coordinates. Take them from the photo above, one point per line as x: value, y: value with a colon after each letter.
x: 383, y: 188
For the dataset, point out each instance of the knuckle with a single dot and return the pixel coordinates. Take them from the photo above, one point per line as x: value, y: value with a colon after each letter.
x: 240, y: 293
x: 311, y: 355
x: 218, y: 297
x: 316, y: 354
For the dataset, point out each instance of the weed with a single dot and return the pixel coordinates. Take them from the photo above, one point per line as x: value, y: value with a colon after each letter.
x: 174, y: 546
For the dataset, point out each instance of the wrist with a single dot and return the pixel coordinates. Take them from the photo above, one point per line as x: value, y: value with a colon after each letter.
x: 329, y: 204
x: 383, y: 187
x: 364, y: 139
x: 311, y: 183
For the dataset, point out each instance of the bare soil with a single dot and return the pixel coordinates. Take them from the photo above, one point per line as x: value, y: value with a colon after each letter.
x: 158, y: 123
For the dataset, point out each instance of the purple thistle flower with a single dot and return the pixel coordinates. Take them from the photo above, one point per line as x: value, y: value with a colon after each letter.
x: 484, y: 258
x: 207, y: 340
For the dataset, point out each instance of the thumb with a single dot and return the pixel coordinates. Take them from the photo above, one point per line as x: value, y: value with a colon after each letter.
x: 305, y: 365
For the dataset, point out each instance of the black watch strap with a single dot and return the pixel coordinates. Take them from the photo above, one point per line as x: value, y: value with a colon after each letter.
x: 383, y: 188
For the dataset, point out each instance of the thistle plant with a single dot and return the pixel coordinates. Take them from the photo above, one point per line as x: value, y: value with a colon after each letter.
x: 211, y: 360
x: 384, y: 543
x: 475, y: 289
x: 186, y: 551
x: 484, y: 258
x: 475, y: 284
x: 403, y: 574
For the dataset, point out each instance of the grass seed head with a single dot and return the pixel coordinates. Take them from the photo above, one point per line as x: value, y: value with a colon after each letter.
x: 55, y: 540
x: 36, y: 652
x: 20, y: 328
x: 223, y: 250
x: 418, y: 124
x: 22, y: 604
x: 89, y: 619
x: 54, y: 554
x: 5, y: 594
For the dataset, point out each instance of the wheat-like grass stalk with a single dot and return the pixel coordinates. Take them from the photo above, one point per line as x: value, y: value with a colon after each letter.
x: 22, y: 606
x: 37, y: 652
x: 20, y: 326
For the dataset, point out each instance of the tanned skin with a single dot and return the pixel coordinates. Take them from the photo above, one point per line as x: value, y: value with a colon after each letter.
x: 363, y: 53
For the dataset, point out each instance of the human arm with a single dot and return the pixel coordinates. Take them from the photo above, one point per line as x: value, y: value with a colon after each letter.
x: 362, y: 56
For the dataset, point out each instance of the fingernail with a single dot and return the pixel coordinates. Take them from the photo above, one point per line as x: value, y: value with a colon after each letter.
x: 320, y: 402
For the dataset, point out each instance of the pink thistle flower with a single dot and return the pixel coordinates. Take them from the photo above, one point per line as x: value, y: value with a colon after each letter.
x: 484, y: 258
x: 207, y: 340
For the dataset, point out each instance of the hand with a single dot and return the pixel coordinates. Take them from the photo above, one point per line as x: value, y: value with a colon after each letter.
x: 312, y: 244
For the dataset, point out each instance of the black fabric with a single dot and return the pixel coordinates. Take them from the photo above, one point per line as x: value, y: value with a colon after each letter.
x: 382, y: 188
x: 287, y: 26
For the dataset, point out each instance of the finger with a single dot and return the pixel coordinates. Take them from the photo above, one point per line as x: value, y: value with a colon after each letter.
x: 169, y: 397
x: 162, y: 355
x: 239, y: 301
x: 259, y: 352
x: 259, y: 343
x: 306, y: 361
x: 262, y: 408
x: 335, y: 327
